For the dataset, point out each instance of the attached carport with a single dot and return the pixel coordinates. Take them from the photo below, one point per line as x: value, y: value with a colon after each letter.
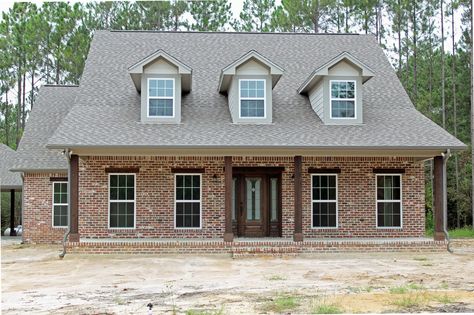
x: 10, y: 182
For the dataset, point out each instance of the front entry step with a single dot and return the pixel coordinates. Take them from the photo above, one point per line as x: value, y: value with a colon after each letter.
x: 256, y: 251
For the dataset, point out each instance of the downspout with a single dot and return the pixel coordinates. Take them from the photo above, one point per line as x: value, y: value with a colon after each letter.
x: 67, y: 153
x: 22, y: 206
x: 446, y: 156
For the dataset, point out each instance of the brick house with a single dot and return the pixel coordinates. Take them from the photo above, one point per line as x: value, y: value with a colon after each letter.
x: 200, y: 141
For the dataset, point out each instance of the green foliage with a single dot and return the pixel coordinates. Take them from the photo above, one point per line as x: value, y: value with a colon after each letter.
x: 210, y: 15
x: 327, y: 309
x: 466, y: 232
x: 255, y: 16
x: 281, y: 303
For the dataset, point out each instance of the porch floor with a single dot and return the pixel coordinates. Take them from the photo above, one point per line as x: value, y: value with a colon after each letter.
x: 252, y: 246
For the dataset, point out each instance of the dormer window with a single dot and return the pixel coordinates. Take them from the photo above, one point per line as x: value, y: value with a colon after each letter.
x: 161, y: 80
x: 343, y: 99
x: 252, y: 98
x: 161, y: 98
x: 248, y: 83
x: 335, y: 90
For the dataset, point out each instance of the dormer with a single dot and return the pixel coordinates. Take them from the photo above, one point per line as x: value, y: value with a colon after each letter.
x: 248, y: 83
x: 335, y: 89
x: 161, y: 80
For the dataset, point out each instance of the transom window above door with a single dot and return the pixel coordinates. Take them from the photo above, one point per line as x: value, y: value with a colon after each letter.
x: 252, y: 98
x: 161, y: 98
x: 343, y: 99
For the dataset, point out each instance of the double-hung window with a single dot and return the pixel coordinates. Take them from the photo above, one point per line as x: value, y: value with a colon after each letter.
x: 389, y: 201
x: 252, y: 98
x: 161, y: 98
x: 343, y: 99
x: 60, y: 204
x: 188, y: 201
x: 324, y: 200
x: 121, y: 201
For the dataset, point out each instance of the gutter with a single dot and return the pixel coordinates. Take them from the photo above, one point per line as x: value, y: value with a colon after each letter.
x: 446, y: 157
x: 67, y: 153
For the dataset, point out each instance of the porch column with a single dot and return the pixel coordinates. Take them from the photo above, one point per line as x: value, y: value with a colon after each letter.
x: 74, y: 198
x: 438, y: 192
x: 12, y: 213
x: 298, y: 235
x: 228, y: 234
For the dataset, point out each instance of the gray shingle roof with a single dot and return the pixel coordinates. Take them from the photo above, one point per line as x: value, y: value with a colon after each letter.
x: 51, y: 107
x: 8, y: 180
x: 107, y: 109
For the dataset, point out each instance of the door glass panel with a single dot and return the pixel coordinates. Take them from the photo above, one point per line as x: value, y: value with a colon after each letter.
x: 253, y: 198
x: 234, y: 187
x: 274, y: 198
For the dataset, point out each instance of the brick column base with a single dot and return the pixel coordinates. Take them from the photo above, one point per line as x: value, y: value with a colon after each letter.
x: 439, y: 236
x: 228, y: 237
x: 74, y: 237
x: 298, y: 237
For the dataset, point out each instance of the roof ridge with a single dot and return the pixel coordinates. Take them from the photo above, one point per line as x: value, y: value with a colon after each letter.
x: 60, y: 85
x: 230, y: 32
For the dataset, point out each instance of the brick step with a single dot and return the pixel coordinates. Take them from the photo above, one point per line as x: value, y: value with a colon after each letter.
x: 238, y: 252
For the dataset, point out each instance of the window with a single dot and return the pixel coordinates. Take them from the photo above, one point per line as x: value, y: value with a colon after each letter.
x: 324, y: 199
x: 122, y: 200
x: 389, y: 205
x: 60, y: 202
x: 188, y: 201
x: 343, y: 98
x: 252, y: 98
x: 160, y: 97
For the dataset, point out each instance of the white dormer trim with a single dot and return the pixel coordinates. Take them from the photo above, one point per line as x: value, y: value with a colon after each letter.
x: 229, y: 71
x: 365, y: 71
x: 137, y: 69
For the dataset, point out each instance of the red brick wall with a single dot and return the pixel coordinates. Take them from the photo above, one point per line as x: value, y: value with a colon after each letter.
x: 357, y: 199
x: 38, y: 209
x: 155, y: 196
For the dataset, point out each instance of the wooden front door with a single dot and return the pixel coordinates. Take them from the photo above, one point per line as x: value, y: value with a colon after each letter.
x: 256, y: 205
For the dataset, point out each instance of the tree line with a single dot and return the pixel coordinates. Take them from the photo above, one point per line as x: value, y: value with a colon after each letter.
x: 48, y: 44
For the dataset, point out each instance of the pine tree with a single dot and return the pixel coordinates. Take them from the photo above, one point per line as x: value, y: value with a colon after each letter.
x: 210, y: 16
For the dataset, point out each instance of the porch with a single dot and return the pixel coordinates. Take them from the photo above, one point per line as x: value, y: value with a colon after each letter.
x: 257, y: 197
x: 253, y: 246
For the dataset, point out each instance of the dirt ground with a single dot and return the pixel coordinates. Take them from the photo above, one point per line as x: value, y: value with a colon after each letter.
x: 35, y: 281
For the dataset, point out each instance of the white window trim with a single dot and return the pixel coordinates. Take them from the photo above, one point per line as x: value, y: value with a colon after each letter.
x: 401, y: 204
x: 134, y: 202
x: 337, y: 203
x: 343, y: 99
x: 195, y: 201
x: 264, y: 98
x: 160, y: 98
x: 58, y: 204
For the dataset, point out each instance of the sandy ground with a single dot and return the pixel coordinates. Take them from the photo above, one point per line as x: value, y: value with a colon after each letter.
x: 35, y: 281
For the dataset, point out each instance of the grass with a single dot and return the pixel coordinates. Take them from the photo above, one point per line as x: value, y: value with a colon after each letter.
x: 276, y: 278
x: 327, y: 309
x: 282, y: 303
x: 399, y: 290
x: 205, y: 312
x: 445, y: 299
x: 465, y: 232
x: 444, y: 285
x: 408, y: 301
x: 420, y: 258
x: 406, y: 288
x: 367, y: 289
